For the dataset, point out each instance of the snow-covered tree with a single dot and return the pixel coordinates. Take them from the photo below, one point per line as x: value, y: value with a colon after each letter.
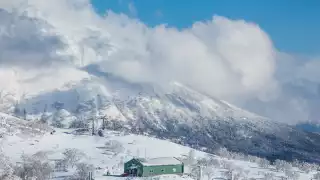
x: 268, y: 176
x: 280, y: 165
x: 316, y: 176
x: 292, y: 174
x: 233, y: 172
x: 223, y: 152
x: 72, y: 156
x: 229, y: 174
x: 6, y: 168
x: 203, y: 162
x: 208, y: 171
x: 6, y: 100
x: 214, y: 162
x: 287, y: 166
x: 305, y: 167
x: 195, y: 171
x: 82, y: 171
x: 79, y: 123
x: 263, y: 163
x: 251, y: 158
x: 296, y: 163
x: 59, y: 115
x: 33, y: 168
x: 191, y: 157
x: 83, y: 111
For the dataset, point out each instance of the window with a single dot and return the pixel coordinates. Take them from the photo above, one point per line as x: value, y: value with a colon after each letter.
x: 162, y: 170
x: 174, y: 170
x: 151, y: 170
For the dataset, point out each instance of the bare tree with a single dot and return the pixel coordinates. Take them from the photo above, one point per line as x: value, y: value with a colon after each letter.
x: 72, y: 156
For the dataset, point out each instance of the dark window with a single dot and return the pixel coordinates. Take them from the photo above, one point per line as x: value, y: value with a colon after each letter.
x: 151, y: 170
x: 162, y: 170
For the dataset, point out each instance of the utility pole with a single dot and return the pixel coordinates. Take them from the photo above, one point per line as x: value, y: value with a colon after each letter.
x: 93, y: 126
x: 93, y: 114
x: 199, y: 173
x: 24, y: 114
x: 103, y: 122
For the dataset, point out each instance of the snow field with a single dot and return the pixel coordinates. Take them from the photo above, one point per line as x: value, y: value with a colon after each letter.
x: 132, y: 146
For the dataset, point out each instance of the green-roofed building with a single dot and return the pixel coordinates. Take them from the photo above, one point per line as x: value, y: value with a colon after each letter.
x: 150, y: 167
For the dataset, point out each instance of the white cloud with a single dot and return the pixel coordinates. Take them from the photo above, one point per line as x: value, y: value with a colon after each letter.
x: 132, y: 9
x: 231, y: 59
x: 235, y: 55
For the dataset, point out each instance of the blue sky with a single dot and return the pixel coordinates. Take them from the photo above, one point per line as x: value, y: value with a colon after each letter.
x: 293, y: 25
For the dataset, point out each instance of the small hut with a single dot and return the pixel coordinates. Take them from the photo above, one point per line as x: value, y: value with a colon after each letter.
x: 150, y: 167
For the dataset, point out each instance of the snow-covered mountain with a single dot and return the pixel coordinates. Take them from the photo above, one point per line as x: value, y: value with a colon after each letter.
x: 177, y: 113
x: 61, y: 73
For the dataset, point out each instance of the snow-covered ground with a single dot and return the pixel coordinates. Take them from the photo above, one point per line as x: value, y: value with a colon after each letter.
x: 94, y: 147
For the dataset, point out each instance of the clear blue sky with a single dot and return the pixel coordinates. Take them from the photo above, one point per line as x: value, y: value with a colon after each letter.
x: 294, y: 25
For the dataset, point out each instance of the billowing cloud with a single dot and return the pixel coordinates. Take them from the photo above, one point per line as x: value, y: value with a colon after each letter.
x: 236, y: 56
x: 233, y: 60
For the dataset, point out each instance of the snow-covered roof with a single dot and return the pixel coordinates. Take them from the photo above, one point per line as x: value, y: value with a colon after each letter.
x: 159, y: 161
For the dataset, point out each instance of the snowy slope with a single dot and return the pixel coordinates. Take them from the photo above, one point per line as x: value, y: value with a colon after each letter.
x: 12, y: 126
x: 133, y: 146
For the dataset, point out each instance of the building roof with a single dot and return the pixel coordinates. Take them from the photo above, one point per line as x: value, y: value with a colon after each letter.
x: 159, y: 161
